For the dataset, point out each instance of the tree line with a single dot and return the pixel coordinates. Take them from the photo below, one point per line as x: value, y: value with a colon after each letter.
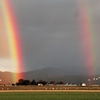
x: 33, y: 82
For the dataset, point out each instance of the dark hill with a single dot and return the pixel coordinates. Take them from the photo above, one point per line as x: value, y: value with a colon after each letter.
x: 64, y: 74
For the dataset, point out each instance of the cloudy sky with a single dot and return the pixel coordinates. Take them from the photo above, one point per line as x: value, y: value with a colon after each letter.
x: 51, y: 33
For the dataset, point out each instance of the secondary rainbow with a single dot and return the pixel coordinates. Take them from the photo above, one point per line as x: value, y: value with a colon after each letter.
x: 87, y: 35
x: 13, y: 38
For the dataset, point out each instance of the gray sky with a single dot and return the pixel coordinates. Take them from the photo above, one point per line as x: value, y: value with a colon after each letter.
x: 50, y: 32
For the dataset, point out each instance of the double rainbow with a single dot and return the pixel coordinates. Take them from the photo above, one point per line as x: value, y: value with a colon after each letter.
x: 87, y: 35
x: 13, y: 37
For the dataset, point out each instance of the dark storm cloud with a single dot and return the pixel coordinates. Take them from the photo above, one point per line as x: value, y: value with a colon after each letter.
x: 50, y: 32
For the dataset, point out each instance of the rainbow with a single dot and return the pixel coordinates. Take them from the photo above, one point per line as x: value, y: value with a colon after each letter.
x: 13, y: 38
x: 87, y: 35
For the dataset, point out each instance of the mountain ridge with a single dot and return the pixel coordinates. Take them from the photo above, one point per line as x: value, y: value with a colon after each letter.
x: 64, y: 74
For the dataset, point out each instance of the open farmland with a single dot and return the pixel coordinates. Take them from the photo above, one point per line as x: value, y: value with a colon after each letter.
x: 50, y: 96
x: 49, y: 93
x: 49, y: 88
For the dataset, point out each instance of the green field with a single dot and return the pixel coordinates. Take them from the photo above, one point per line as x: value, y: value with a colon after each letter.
x: 50, y: 96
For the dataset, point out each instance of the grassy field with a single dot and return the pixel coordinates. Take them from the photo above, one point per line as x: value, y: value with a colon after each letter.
x: 50, y: 96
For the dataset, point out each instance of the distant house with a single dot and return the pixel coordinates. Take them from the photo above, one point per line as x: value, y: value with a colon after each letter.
x: 67, y: 84
x: 39, y: 84
x: 83, y: 84
x: 70, y: 84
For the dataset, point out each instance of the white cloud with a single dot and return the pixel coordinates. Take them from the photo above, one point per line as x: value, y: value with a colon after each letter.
x: 6, y: 64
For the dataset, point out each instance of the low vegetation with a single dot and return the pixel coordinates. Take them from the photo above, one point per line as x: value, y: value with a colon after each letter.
x: 49, y: 96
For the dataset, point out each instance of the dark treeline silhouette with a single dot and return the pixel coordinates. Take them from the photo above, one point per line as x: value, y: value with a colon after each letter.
x: 33, y: 82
